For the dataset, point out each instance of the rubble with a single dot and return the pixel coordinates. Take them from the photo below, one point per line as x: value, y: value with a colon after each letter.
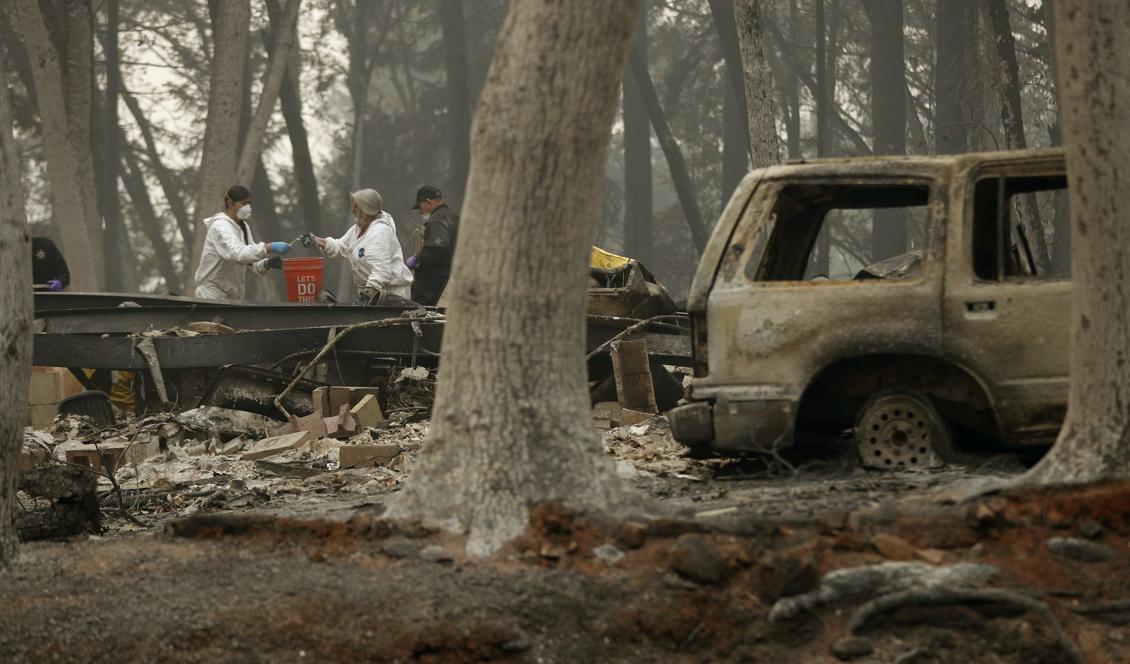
x: 212, y: 458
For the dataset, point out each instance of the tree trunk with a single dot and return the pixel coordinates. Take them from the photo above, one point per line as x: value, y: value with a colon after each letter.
x: 1008, y: 82
x: 676, y: 164
x: 1061, y: 221
x: 512, y: 409
x: 221, y: 131
x: 120, y: 263
x: 290, y: 99
x: 950, y: 132
x: 792, y: 92
x: 888, y: 114
x: 66, y: 143
x: 735, y: 120
x: 134, y: 181
x: 1093, y: 52
x: 173, y: 194
x: 638, y: 210
x: 827, y: 46
x: 764, y: 144
x: 15, y: 325
x: 253, y: 142
x: 458, y: 99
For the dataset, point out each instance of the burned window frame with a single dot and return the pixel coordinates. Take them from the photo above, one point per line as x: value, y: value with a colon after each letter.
x: 1004, y: 260
x: 753, y: 265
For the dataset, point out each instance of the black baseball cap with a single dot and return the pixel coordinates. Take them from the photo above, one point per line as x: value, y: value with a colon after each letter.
x: 426, y: 193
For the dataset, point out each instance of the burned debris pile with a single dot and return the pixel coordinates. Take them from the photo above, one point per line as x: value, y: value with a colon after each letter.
x: 195, y: 407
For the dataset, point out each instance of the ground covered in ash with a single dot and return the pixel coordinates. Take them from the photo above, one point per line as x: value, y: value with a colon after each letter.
x: 756, y: 561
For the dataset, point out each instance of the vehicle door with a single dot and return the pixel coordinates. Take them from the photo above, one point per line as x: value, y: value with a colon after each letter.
x: 1004, y: 319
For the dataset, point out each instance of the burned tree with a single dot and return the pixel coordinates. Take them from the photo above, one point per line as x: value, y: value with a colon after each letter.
x: 512, y: 420
x: 15, y: 324
x: 765, y: 148
x: 221, y: 130
x: 638, y: 205
x: 61, y: 73
x: 1092, y: 51
x: 888, y: 114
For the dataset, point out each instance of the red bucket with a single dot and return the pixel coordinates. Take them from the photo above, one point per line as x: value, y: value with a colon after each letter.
x: 303, y: 278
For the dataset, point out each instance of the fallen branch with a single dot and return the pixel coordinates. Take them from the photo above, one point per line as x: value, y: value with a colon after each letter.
x: 938, y: 596
x: 630, y: 329
x: 387, y: 322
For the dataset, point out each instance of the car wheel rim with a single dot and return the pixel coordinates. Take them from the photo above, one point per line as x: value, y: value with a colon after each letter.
x: 898, y: 432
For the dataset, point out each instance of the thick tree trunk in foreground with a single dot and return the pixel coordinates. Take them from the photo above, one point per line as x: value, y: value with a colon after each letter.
x: 764, y: 144
x: 512, y: 422
x: 458, y: 98
x: 888, y: 114
x: 676, y: 163
x: 1008, y: 85
x: 1093, y: 53
x: 66, y: 145
x: 221, y: 131
x: 638, y: 210
x: 15, y: 324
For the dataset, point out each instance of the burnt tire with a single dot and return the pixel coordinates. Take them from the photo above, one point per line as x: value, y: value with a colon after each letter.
x: 898, y: 429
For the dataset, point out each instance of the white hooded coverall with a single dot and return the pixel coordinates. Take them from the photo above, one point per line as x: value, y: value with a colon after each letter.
x: 226, y: 259
x: 374, y: 258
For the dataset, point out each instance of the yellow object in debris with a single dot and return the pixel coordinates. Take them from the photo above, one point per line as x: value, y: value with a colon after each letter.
x: 603, y: 260
x: 121, y: 392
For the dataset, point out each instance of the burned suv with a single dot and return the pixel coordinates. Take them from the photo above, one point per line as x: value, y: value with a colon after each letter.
x: 911, y: 301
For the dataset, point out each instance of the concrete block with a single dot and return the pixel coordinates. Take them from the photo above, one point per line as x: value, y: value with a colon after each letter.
x: 45, y: 387
x: 104, y: 458
x: 367, y: 412
x: 39, y: 417
x: 276, y: 445
x: 632, y: 371
x: 366, y: 456
x: 30, y: 457
x: 606, y: 415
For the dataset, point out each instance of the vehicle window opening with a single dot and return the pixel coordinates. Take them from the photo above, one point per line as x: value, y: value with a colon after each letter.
x: 840, y: 232
x: 1001, y: 246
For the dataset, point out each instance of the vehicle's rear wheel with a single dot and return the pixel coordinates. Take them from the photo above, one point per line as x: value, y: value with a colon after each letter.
x: 900, y: 428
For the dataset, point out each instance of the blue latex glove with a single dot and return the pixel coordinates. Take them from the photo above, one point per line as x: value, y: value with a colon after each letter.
x: 280, y: 247
x: 411, y: 262
x: 54, y: 285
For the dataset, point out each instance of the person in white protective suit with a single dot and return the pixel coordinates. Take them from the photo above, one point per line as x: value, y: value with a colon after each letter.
x: 229, y: 250
x: 373, y: 251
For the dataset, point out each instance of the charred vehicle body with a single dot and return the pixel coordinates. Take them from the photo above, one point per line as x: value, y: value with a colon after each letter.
x: 912, y: 301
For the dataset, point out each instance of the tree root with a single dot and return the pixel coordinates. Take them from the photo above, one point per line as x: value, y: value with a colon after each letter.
x: 938, y: 596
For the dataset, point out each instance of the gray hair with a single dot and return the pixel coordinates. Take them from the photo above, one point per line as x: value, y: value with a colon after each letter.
x: 369, y: 200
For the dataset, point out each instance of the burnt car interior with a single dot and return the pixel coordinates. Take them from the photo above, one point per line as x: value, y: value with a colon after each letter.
x: 840, y: 216
x: 998, y: 203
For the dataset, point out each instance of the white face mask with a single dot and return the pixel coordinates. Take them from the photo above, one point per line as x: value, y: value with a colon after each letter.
x: 424, y: 217
x: 244, y: 213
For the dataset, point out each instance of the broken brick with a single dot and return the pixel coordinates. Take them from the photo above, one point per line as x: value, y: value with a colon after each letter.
x: 366, y: 456
x: 276, y: 445
x: 367, y: 412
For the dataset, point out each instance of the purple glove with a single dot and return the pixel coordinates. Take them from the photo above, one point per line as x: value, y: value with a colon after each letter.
x: 54, y: 285
x: 411, y: 262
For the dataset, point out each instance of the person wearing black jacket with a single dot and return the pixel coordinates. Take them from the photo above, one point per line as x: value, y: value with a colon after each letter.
x: 432, y: 263
x: 48, y: 267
